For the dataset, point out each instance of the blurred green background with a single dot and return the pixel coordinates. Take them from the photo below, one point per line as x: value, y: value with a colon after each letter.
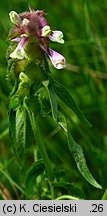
x: 84, y: 24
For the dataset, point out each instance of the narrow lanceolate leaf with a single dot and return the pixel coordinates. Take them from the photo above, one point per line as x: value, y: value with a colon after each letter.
x: 20, y: 131
x: 52, y: 96
x: 79, y: 158
x: 77, y: 153
x: 104, y: 197
x: 35, y: 170
x: 17, y: 126
x: 66, y: 97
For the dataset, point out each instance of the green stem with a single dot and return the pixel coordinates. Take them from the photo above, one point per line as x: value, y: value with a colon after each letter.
x: 52, y: 190
x: 39, y: 140
x: 42, y: 148
x: 44, y: 155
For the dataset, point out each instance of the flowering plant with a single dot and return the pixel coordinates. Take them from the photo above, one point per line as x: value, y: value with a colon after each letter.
x: 34, y: 95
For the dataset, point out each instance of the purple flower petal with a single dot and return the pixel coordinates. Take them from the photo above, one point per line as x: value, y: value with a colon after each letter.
x: 22, y: 42
x: 17, y: 39
x: 57, y: 59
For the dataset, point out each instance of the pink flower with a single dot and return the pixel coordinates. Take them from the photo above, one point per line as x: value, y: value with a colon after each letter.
x: 19, y: 52
x: 56, y: 36
x: 57, y: 59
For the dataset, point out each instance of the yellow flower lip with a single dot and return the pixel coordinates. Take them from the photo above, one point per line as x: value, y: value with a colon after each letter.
x: 46, y: 30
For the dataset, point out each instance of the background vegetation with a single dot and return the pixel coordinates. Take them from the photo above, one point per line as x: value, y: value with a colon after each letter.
x: 84, y: 24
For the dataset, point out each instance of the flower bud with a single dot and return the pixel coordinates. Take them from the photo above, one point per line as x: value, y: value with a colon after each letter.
x: 14, y: 17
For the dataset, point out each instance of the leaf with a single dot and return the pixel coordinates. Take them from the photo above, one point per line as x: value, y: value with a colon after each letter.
x: 50, y: 89
x: 17, y: 127
x: 20, y: 131
x: 79, y: 158
x: 71, y: 189
x: 36, y: 169
x: 65, y: 96
x: 78, y: 154
x: 104, y: 197
x: 8, y: 177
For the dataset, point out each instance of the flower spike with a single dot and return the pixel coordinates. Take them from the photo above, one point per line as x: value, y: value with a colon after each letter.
x: 33, y: 27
